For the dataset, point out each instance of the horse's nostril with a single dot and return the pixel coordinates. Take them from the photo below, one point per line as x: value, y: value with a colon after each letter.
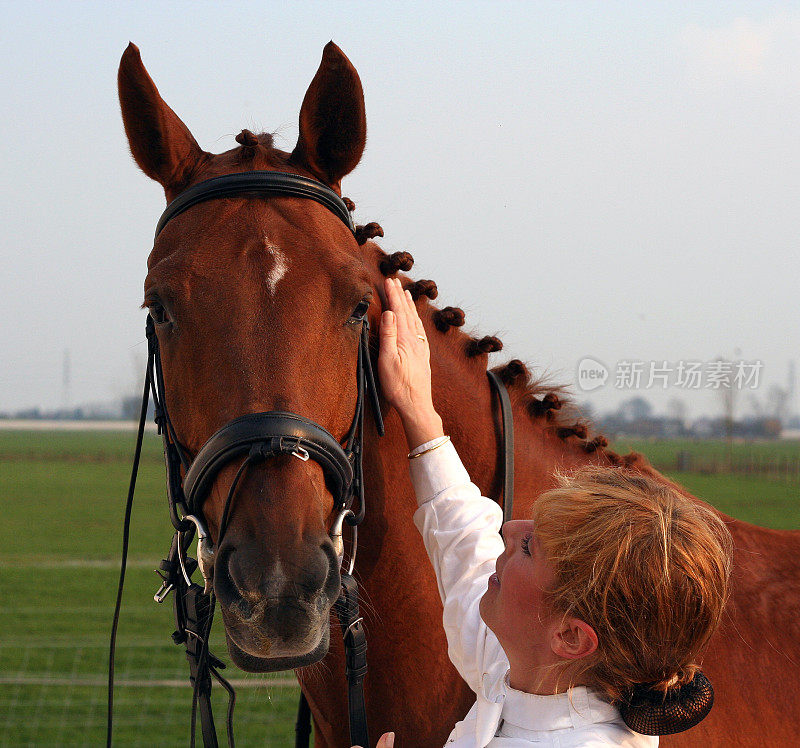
x: 244, y: 608
x: 225, y: 586
x: 223, y: 557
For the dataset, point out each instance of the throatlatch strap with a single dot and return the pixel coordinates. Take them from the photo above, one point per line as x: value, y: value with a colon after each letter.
x: 355, y: 653
x: 508, y: 444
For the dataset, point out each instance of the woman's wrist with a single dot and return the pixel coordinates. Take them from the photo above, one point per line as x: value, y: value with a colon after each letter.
x: 421, y: 427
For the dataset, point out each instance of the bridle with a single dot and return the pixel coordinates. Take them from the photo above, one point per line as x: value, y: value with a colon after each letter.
x: 253, y: 438
x: 256, y: 437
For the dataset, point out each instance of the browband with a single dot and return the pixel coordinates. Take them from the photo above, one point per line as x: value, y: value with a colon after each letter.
x: 257, y: 183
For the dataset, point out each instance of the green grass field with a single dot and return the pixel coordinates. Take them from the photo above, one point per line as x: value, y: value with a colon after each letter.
x: 762, y: 501
x: 63, y: 497
x: 661, y: 451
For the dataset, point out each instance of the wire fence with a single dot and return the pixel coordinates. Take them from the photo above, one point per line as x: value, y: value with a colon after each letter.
x: 781, y: 468
x: 54, y: 694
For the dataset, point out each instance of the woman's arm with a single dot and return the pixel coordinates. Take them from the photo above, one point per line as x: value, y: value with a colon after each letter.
x: 461, y: 532
x: 460, y: 528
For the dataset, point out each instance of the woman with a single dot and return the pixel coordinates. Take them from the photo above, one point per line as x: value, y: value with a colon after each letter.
x: 580, y: 626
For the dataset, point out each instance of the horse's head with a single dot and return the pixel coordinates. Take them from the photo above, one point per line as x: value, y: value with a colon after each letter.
x: 254, y: 301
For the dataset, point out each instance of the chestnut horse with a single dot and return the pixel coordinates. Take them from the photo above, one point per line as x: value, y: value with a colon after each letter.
x: 251, y: 297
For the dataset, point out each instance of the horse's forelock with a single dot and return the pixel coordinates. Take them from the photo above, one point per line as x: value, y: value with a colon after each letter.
x: 253, y: 145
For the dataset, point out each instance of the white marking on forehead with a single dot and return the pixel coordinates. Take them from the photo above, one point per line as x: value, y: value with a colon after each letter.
x: 279, y: 266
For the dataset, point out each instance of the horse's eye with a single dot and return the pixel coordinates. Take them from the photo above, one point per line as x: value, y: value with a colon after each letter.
x: 158, y: 313
x: 360, y: 311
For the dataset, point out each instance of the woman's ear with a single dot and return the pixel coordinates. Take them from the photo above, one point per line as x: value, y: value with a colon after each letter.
x: 573, y: 639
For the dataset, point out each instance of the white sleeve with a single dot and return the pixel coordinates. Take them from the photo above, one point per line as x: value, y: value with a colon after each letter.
x: 461, y: 532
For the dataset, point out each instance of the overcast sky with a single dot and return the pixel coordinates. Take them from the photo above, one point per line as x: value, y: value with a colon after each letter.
x: 613, y: 181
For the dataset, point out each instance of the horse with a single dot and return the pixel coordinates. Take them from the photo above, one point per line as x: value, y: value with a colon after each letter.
x: 250, y: 298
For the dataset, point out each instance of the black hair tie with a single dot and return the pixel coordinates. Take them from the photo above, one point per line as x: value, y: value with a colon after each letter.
x: 652, y: 712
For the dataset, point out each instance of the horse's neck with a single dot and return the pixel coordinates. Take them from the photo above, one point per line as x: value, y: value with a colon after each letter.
x: 471, y: 414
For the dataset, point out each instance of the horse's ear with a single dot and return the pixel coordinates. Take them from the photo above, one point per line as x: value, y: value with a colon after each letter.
x: 160, y: 143
x: 333, y: 125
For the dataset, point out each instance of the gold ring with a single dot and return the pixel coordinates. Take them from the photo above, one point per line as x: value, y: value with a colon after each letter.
x: 421, y: 337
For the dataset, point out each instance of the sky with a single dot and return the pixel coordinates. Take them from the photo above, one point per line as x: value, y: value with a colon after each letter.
x: 611, y: 183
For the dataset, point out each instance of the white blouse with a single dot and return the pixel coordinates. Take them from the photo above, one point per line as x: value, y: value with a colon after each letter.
x: 461, y: 532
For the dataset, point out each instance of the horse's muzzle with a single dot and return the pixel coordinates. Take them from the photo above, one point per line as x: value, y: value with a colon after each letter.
x: 274, y: 606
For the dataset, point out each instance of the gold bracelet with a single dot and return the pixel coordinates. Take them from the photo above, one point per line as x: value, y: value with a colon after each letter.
x: 442, y: 440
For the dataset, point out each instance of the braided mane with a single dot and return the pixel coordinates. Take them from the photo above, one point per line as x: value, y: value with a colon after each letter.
x: 541, y: 399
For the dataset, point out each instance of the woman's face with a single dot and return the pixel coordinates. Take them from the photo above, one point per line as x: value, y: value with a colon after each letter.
x: 513, y: 606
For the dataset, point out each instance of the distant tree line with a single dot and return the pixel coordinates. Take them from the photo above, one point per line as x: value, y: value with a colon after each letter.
x: 636, y: 417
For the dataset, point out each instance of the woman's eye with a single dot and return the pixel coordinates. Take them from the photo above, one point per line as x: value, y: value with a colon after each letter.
x: 158, y: 313
x: 360, y: 311
x: 524, y: 544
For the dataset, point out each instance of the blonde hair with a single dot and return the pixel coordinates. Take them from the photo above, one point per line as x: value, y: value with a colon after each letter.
x: 644, y: 565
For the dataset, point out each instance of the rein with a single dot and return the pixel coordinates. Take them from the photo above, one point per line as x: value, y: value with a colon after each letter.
x: 507, y: 424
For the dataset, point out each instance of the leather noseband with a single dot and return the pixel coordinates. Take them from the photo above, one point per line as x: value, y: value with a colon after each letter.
x: 266, y: 435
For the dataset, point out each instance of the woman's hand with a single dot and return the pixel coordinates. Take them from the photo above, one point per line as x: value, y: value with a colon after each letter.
x: 404, y: 366
x: 386, y: 741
